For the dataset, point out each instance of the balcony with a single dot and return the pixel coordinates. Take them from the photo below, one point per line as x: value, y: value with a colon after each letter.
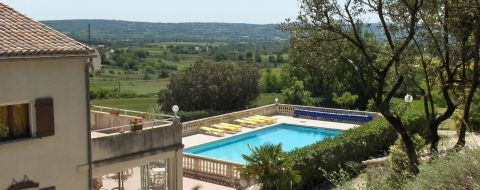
x: 115, y: 141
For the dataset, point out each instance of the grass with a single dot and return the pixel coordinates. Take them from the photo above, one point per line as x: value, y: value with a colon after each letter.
x: 136, y: 104
x: 137, y: 86
x: 268, y: 98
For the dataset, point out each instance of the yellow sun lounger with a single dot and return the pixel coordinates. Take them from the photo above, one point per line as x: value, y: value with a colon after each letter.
x: 266, y: 117
x: 231, y: 125
x: 258, y: 120
x: 212, y: 131
x: 228, y: 129
x: 245, y: 123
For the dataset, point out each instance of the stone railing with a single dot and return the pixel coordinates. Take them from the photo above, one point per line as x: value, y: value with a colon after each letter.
x: 211, y: 170
x: 193, y: 127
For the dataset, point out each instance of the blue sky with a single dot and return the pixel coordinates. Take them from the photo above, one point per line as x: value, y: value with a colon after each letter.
x: 232, y: 11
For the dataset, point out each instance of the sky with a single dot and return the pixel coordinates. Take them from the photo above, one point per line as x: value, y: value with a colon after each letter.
x: 230, y: 11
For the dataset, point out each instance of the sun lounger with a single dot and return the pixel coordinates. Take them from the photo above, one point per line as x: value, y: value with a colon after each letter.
x: 266, y: 117
x: 228, y: 129
x: 258, y: 120
x: 212, y: 131
x: 245, y: 123
x: 231, y: 125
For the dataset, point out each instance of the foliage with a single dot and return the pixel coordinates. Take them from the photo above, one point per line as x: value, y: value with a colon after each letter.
x: 270, y: 167
x: 296, y: 94
x: 212, y: 86
x: 354, y: 145
x: 398, y: 162
x: 270, y: 82
x: 340, y: 177
x: 346, y: 100
x: 455, y: 171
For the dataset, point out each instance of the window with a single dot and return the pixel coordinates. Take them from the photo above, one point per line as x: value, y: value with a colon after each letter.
x: 14, y: 122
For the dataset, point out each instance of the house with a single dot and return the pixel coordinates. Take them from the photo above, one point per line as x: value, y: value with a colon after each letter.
x: 44, y: 135
x: 50, y: 135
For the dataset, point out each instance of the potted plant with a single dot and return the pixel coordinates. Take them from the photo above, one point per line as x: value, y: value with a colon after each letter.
x: 137, y: 124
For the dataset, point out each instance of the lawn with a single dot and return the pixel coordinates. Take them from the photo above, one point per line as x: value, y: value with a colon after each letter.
x: 137, y: 104
x: 268, y: 98
x: 137, y: 86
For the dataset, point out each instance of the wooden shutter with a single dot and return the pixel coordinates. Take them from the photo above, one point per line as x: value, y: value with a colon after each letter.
x: 45, y: 117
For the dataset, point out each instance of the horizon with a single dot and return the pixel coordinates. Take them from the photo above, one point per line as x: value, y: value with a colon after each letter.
x: 181, y: 11
x: 199, y: 22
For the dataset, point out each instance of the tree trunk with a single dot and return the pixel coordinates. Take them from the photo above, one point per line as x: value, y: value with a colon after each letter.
x: 411, y: 153
x: 473, y: 88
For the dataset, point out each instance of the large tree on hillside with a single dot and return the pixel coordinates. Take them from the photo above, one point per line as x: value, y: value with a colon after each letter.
x: 444, y: 45
x: 335, y: 22
x: 212, y: 86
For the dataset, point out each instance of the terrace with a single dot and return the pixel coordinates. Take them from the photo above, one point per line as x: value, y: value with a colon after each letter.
x: 134, y: 150
x: 223, y: 172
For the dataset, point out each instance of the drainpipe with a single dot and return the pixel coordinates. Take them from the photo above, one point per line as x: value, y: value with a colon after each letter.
x: 89, y: 140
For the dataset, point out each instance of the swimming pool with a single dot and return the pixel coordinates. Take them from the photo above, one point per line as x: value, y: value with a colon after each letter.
x: 291, y: 137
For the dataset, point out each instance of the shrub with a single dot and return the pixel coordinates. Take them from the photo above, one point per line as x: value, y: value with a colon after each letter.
x: 354, y: 145
x: 346, y: 100
x: 398, y: 162
x: 455, y: 171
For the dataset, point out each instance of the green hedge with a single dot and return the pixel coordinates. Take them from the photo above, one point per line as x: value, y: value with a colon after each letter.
x: 354, y: 145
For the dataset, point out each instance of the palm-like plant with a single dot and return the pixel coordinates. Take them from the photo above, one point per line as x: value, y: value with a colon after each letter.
x: 269, y: 166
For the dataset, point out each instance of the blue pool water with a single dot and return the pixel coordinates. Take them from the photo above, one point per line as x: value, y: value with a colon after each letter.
x: 290, y: 136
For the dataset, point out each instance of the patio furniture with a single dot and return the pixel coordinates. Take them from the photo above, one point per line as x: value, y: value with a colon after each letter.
x: 228, y: 129
x: 212, y: 131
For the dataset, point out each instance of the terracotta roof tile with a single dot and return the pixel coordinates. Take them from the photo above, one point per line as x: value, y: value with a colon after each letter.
x: 22, y: 36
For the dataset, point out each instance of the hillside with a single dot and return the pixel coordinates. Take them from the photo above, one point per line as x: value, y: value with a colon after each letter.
x: 105, y: 31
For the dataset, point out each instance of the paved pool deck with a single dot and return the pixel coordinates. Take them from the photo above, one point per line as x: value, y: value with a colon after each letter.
x: 198, y: 139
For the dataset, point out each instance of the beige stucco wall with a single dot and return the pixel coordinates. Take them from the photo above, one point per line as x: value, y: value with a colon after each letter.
x: 54, y: 160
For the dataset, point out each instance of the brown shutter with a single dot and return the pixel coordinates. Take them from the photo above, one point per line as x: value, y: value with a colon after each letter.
x: 44, y: 116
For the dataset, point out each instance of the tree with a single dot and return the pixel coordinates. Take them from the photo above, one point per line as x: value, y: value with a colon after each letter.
x: 329, y: 22
x: 269, y: 166
x: 271, y: 83
x: 258, y: 58
x: 296, y: 94
x: 347, y: 99
x: 211, y: 86
x: 443, y: 47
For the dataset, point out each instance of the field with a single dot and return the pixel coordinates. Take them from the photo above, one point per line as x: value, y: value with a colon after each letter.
x: 137, y: 104
x: 147, y: 104
x: 137, y: 86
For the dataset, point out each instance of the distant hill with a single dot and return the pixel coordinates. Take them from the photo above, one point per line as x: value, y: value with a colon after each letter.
x: 126, y: 31
x: 115, y: 31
